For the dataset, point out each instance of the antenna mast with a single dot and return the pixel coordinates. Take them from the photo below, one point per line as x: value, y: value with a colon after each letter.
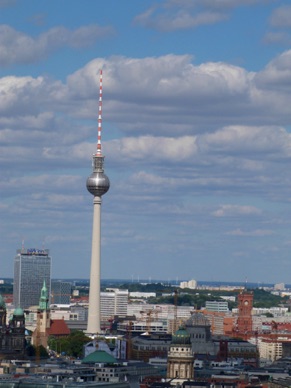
x: 99, y: 117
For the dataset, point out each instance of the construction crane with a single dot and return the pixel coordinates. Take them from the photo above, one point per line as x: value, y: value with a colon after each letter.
x: 129, y: 340
x: 175, y: 311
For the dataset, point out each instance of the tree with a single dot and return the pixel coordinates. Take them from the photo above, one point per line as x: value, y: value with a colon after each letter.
x: 71, y: 345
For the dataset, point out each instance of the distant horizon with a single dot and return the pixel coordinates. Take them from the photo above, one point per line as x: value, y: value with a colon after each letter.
x: 171, y: 282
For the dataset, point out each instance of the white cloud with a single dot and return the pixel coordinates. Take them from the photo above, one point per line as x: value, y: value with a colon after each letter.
x: 17, y: 47
x: 235, y: 210
x: 281, y: 17
x: 249, y: 139
x: 278, y: 37
x: 172, y: 15
x: 152, y: 148
x: 253, y: 233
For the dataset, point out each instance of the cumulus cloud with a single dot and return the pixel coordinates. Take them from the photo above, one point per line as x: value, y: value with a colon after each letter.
x: 212, y: 115
x: 246, y: 139
x: 153, y: 147
x: 18, y: 47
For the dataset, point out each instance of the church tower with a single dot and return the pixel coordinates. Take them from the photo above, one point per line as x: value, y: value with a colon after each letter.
x: 40, y: 335
x: 180, y: 357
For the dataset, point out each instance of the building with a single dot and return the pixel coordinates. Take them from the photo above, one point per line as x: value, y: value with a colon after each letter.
x: 191, y: 284
x: 31, y: 268
x: 144, y: 347
x: 199, y: 329
x: 46, y: 326
x: 169, y: 316
x: 220, y: 322
x: 61, y: 292
x: 113, y: 302
x: 180, y: 365
x: 218, y: 306
x: 97, y: 184
x: 12, y: 335
x: 244, y: 323
x: 270, y: 348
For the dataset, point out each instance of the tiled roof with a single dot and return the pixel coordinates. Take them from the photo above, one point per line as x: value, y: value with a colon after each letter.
x: 58, y: 327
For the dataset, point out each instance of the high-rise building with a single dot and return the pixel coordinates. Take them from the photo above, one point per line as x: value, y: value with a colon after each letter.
x: 32, y: 267
x: 113, y: 302
x: 97, y: 184
x: 61, y: 292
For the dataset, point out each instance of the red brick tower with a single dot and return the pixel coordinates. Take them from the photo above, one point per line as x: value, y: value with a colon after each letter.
x: 244, y: 321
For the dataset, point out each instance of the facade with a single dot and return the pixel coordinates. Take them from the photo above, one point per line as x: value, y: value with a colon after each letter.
x: 167, y: 316
x: 31, y: 268
x: 180, y: 365
x: 218, y: 306
x: 113, y: 302
x: 199, y: 329
x: 61, y: 292
x: 270, y: 349
x: 12, y: 335
x: 145, y: 347
x: 191, y: 284
x: 217, y: 321
x: 244, y: 324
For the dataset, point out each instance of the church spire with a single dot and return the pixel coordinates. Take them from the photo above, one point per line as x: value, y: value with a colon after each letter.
x: 43, y: 301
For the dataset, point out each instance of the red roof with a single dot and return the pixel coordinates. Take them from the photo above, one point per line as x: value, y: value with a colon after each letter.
x: 58, y: 327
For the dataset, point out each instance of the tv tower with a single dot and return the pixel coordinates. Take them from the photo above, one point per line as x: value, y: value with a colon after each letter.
x: 97, y: 184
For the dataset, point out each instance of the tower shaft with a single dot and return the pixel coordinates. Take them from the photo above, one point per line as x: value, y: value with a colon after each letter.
x: 94, y: 315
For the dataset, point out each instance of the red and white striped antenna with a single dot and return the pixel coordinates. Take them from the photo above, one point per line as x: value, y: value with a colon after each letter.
x: 99, y: 117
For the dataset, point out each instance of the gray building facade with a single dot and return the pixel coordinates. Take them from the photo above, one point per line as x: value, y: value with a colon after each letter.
x: 61, y: 292
x: 31, y: 268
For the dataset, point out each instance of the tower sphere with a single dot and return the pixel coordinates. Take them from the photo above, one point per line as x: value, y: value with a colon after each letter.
x: 98, y: 184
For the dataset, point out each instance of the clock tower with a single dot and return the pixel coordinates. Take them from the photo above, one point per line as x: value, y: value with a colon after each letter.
x: 244, y: 324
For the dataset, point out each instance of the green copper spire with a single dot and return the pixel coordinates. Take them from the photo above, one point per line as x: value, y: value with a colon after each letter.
x: 43, y: 301
x: 2, y: 303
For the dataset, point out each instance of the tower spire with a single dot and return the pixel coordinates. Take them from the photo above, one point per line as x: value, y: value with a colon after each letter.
x: 99, y: 116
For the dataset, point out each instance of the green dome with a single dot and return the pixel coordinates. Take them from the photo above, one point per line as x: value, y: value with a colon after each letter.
x: 18, y: 312
x: 181, y: 337
x: 2, y: 303
x: 99, y: 356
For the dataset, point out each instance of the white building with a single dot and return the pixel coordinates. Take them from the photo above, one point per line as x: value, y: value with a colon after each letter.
x: 192, y: 284
x: 270, y: 350
x: 142, y: 295
x: 113, y: 302
x: 217, y: 305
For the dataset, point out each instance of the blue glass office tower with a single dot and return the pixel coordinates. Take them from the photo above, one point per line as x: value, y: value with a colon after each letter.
x: 31, y: 268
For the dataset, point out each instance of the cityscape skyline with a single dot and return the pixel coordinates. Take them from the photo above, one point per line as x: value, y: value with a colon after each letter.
x: 196, y: 120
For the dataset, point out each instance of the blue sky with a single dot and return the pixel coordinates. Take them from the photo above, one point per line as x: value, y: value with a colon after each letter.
x: 196, y: 133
